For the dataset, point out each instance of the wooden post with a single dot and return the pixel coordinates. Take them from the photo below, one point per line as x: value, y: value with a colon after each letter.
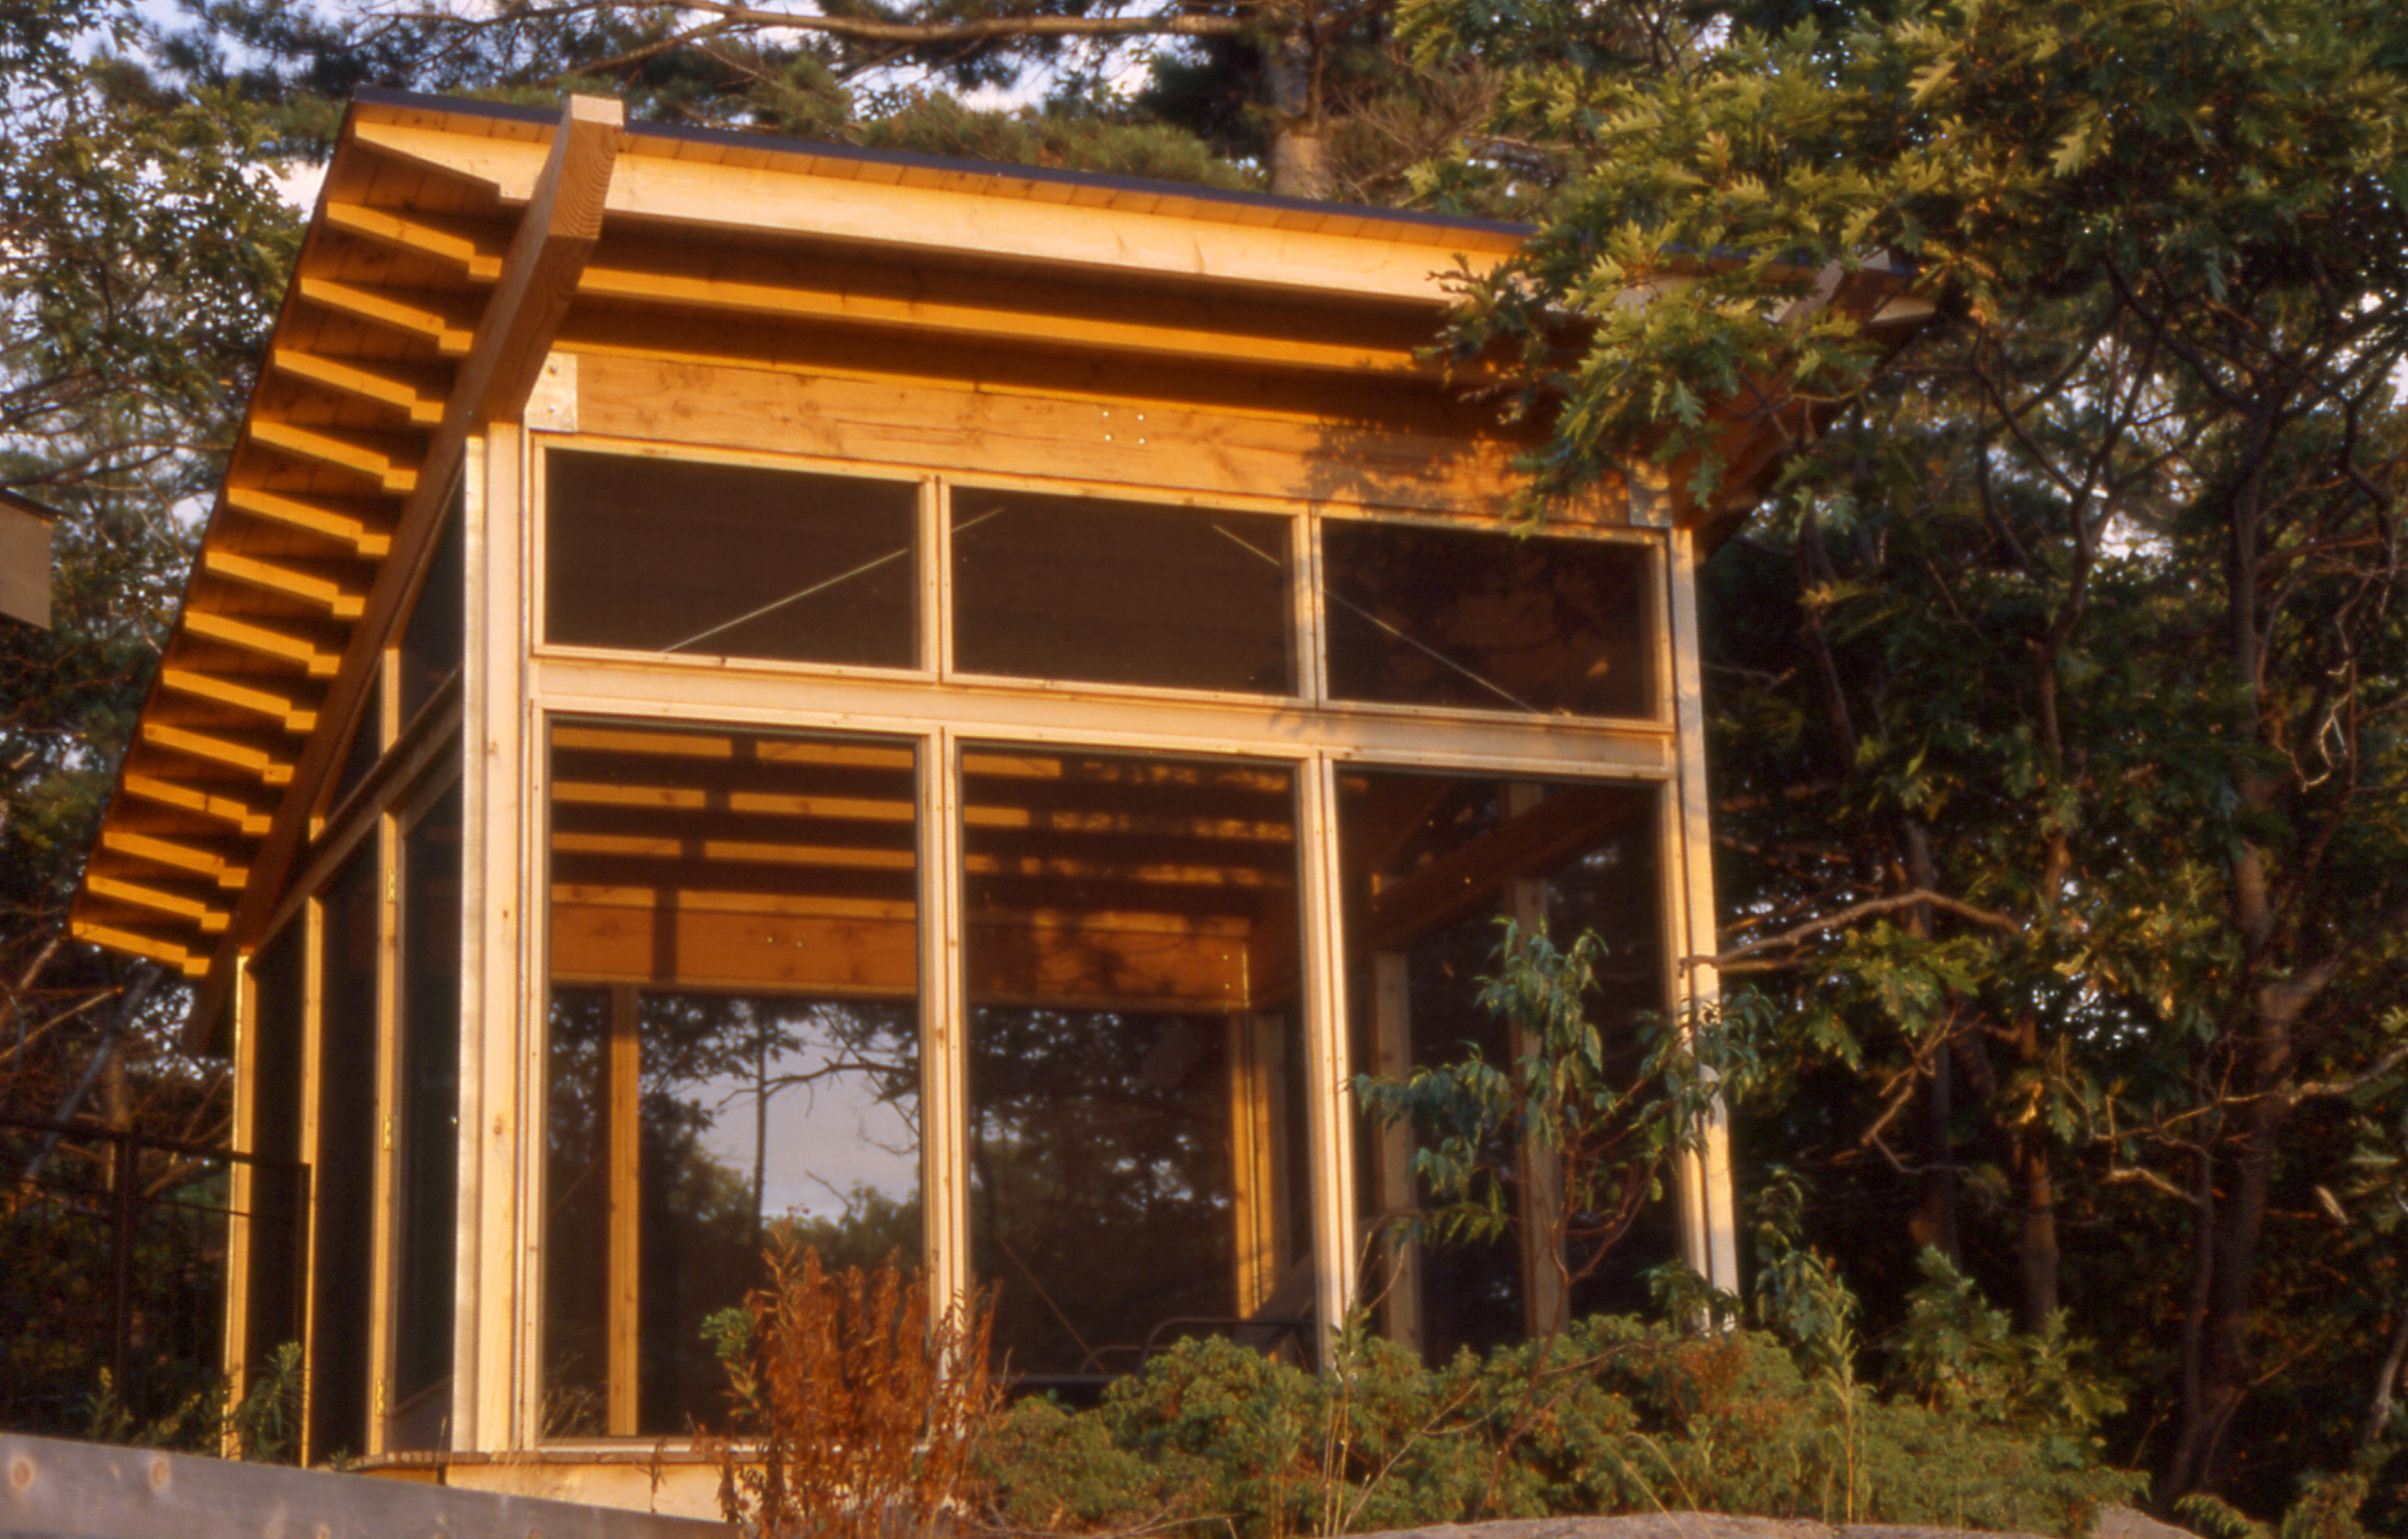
x: 622, y: 1120
x: 1702, y: 1181
x: 1541, y: 1197
x: 1392, y: 1059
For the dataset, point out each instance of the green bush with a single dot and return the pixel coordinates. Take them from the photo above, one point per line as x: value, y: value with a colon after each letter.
x: 1614, y: 1416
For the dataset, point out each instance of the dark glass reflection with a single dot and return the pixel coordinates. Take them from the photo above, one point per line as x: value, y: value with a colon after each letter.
x: 734, y: 1042
x: 345, y: 1162
x: 426, y: 1162
x: 436, y: 636
x: 729, y: 561
x: 1130, y: 956
x: 1115, y: 593
x: 275, y: 1312
x: 719, y: 1116
x: 1486, y: 620
x: 1430, y: 865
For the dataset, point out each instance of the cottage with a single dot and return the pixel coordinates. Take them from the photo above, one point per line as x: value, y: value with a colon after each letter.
x: 735, y: 680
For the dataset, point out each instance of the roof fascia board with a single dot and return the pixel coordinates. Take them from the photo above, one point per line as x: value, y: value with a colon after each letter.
x: 988, y: 211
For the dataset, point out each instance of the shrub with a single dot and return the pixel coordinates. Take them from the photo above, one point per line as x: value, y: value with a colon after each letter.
x: 861, y: 1404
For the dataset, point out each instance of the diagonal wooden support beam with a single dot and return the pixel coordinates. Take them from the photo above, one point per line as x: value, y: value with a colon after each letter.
x: 556, y: 235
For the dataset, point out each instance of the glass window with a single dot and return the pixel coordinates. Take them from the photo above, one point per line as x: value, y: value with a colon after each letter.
x: 1115, y: 593
x: 367, y: 744
x: 1135, y: 1054
x: 1431, y: 863
x: 280, y: 1193
x: 427, y: 1161
x: 734, y: 1043
x: 1494, y: 622
x: 437, y: 635
x: 346, y: 1159
x: 729, y: 561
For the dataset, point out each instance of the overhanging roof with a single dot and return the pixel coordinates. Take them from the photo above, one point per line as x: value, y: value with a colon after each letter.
x: 455, y: 244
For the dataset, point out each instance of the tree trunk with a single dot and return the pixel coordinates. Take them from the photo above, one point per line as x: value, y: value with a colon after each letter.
x: 2036, y: 1249
x: 1299, y: 150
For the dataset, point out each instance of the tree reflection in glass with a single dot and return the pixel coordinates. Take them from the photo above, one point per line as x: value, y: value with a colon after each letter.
x: 746, y: 1112
x: 1130, y: 946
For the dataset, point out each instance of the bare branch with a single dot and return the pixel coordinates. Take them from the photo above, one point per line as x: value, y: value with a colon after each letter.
x: 1850, y: 915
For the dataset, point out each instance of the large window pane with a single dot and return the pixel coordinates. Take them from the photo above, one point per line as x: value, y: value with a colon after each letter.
x: 1430, y: 863
x: 1487, y: 620
x: 437, y: 635
x: 276, y: 1310
x: 1115, y: 593
x: 734, y: 1036
x: 346, y: 1159
x: 1131, y: 955
x: 426, y: 1162
x: 729, y: 561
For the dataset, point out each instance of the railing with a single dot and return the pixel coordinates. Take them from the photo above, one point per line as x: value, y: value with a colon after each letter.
x: 114, y: 1248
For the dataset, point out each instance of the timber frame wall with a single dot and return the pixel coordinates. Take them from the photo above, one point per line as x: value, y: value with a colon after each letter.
x: 482, y: 286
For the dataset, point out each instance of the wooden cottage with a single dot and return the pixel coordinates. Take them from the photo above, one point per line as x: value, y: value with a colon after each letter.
x: 735, y: 681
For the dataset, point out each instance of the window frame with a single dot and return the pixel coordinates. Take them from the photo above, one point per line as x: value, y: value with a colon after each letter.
x: 938, y: 708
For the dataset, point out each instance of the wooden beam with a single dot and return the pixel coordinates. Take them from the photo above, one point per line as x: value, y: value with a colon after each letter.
x: 381, y: 457
x: 339, y: 601
x: 282, y: 710
x: 416, y: 391
x: 352, y: 521
x: 469, y: 245
x: 547, y: 256
x: 1407, y: 264
x: 191, y: 964
x: 749, y: 283
x: 507, y: 167
x: 249, y: 758
x: 175, y: 855
x: 316, y: 659
x: 249, y: 820
x: 211, y: 920
x: 505, y: 352
x: 444, y: 320
x: 1472, y: 877
x: 1192, y: 235
x: 1003, y: 430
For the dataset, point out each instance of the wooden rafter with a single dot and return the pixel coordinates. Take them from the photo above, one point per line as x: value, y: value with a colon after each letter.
x: 316, y: 659
x: 340, y: 600
x: 355, y: 522
x: 382, y: 458
x: 470, y: 245
x: 282, y: 709
x: 176, y: 855
x: 414, y: 390
x: 246, y: 819
x: 444, y: 321
x: 502, y: 353
x: 268, y: 768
